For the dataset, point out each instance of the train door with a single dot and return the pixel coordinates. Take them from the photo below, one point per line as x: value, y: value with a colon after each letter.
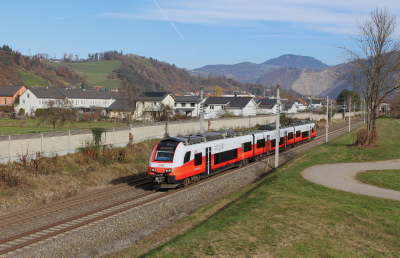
x: 285, y: 139
x: 268, y: 142
x: 309, y: 134
x: 208, y: 160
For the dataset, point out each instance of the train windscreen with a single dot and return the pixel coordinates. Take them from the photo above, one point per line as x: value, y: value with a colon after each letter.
x: 165, y: 151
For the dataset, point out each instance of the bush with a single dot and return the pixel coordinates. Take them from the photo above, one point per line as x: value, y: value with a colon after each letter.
x: 39, y: 112
x: 21, y: 112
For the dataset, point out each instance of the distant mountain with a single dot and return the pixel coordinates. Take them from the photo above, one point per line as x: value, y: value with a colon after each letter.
x: 248, y: 72
x: 295, y: 61
x: 316, y: 82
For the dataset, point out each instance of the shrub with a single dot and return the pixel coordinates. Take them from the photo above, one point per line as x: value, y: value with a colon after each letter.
x: 21, y: 112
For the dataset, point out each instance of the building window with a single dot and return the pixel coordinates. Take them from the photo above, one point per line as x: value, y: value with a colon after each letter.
x: 175, y: 104
x: 183, y: 104
x: 5, y: 101
x: 28, y: 95
x: 154, y: 104
x: 211, y: 107
x: 192, y: 104
x: 23, y: 102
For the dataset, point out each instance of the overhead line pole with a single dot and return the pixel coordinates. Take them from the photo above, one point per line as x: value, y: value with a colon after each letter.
x: 202, y: 111
x: 277, y: 138
x: 327, y: 117
x: 349, y: 114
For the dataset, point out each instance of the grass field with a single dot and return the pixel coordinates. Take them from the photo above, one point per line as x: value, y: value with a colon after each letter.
x: 284, y: 215
x: 31, y: 80
x: 96, y: 72
x: 22, y: 126
x: 389, y: 179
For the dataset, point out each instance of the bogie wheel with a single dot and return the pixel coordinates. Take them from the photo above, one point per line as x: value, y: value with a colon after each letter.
x: 186, y: 182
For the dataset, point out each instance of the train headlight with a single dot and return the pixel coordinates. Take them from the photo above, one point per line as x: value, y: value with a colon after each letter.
x: 168, y: 171
x: 153, y: 170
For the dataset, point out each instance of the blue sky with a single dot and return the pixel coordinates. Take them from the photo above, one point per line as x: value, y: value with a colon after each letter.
x: 189, y: 34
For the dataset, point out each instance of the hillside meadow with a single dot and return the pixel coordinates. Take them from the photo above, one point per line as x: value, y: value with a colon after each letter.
x: 284, y: 215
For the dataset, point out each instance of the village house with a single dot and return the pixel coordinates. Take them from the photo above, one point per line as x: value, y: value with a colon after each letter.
x: 81, y: 99
x: 188, y: 105
x: 269, y: 106
x: 8, y: 94
x: 238, y: 106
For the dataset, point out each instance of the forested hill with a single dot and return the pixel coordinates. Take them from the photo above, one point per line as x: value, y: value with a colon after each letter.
x: 30, y: 71
x: 109, y: 69
x: 250, y: 72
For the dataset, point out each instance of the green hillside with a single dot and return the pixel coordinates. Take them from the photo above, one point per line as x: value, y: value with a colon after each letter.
x: 31, y: 80
x: 96, y: 72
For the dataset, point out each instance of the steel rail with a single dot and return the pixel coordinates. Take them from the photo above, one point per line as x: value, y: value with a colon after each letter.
x: 74, y: 199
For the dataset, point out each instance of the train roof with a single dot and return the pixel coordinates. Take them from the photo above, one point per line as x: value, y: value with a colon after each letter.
x: 224, y: 134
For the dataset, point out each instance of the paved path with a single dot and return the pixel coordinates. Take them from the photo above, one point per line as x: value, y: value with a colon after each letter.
x: 343, y: 177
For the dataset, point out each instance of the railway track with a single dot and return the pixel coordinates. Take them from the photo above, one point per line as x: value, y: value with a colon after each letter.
x: 35, y: 235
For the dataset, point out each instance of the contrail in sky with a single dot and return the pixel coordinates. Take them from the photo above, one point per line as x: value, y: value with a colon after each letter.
x: 173, y: 25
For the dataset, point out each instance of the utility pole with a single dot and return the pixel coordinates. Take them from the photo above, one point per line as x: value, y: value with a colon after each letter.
x: 327, y: 117
x: 311, y: 108
x: 349, y: 113
x: 202, y: 110
x: 277, y: 137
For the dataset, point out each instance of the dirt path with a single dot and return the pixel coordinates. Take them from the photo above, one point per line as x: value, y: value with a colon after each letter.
x: 343, y: 177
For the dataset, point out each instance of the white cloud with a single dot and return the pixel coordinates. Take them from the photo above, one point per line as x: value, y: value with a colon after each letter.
x: 338, y: 16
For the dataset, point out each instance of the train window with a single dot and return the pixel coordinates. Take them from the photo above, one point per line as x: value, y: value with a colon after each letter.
x: 281, y: 141
x: 273, y: 143
x: 305, y: 134
x: 225, y: 156
x: 298, y: 134
x: 164, y: 155
x: 260, y: 143
x: 198, y: 159
x: 187, y: 157
x: 246, y: 147
x: 290, y: 136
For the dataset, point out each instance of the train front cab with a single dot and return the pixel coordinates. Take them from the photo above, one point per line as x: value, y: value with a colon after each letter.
x: 162, y: 167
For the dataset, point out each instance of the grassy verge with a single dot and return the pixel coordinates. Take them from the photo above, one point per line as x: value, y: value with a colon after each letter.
x: 389, y: 179
x: 28, y: 125
x: 285, y: 215
x: 34, y: 181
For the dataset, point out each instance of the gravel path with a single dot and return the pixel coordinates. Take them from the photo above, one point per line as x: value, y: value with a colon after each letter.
x: 343, y: 177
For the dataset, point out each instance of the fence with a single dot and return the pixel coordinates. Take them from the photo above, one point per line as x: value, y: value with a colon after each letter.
x: 64, y: 142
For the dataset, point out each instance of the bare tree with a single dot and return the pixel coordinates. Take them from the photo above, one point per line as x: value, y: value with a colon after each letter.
x: 58, y: 112
x: 375, y: 64
x: 129, y: 96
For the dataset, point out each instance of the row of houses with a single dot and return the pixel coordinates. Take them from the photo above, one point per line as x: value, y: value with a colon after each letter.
x: 146, y: 105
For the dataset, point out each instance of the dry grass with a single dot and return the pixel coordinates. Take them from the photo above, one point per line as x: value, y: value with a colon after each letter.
x: 35, y: 179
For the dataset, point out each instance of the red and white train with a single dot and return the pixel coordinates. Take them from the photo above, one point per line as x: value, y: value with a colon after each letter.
x: 182, y: 160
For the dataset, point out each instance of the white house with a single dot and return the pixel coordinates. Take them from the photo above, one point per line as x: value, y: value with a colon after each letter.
x: 315, y: 103
x: 290, y: 107
x: 300, y: 104
x: 82, y: 99
x: 269, y: 106
x: 148, y: 105
x: 239, y: 106
x: 188, y: 105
